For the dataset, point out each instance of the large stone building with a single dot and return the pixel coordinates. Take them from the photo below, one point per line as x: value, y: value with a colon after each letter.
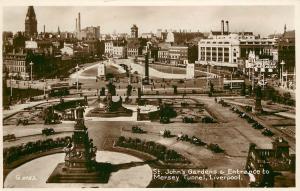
x: 90, y: 33
x: 30, y: 23
x: 286, y: 50
x: 134, y: 48
x: 16, y: 64
x: 223, y: 48
x: 108, y: 48
x: 178, y: 54
x: 119, y: 51
x: 115, y: 49
x: 175, y: 55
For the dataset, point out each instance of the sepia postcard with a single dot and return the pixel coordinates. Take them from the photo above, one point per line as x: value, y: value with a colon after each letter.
x: 113, y: 94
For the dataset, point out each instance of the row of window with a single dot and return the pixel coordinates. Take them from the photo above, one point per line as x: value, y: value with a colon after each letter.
x: 215, y: 59
x: 257, y: 42
x: 16, y: 68
x: 214, y: 42
x: 14, y: 62
x: 242, y: 42
x: 135, y: 53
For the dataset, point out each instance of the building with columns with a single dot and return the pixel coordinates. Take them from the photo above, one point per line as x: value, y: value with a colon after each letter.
x: 223, y: 48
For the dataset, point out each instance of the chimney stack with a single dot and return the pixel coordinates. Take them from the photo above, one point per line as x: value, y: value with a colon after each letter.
x: 222, y: 27
x: 227, y: 26
x: 44, y: 29
x: 79, y: 26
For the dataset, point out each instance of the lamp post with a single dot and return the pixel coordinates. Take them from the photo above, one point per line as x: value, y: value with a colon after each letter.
x: 45, y: 86
x: 231, y: 81
x: 207, y: 70
x: 11, y: 85
x: 31, y: 64
x: 77, y: 76
x: 281, y: 79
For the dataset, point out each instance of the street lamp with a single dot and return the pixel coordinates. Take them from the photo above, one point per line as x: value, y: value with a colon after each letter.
x: 77, y: 76
x: 231, y: 80
x: 207, y: 70
x: 31, y: 64
x: 281, y: 76
x: 10, y: 75
x: 45, y: 86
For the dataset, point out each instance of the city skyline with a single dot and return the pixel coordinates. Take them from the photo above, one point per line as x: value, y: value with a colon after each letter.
x: 120, y: 19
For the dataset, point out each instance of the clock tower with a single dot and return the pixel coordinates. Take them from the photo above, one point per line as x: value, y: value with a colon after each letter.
x: 30, y: 23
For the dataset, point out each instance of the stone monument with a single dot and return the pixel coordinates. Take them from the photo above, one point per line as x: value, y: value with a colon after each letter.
x: 80, y: 164
x: 111, y: 109
x: 258, y: 95
x: 146, y: 78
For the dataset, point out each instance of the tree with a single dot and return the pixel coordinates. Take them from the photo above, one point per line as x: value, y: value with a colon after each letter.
x: 102, y: 92
x: 175, y: 89
x: 129, y: 89
x: 211, y: 89
x: 166, y: 112
x: 109, y: 76
x: 111, y: 88
x: 250, y: 90
x: 243, y: 90
x: 139, y: 92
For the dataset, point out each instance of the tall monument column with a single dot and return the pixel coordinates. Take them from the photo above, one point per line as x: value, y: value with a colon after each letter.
x: 258, y: 95
x: 146, y: 79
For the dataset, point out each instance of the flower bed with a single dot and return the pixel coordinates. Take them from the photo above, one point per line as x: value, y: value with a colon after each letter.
x: 159, y: 151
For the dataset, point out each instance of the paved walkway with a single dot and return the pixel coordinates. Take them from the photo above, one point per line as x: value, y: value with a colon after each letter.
x: 135, y: 68
x: 133, y: 172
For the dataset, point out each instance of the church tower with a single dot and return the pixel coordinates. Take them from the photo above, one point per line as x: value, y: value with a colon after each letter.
x: 30, y: 23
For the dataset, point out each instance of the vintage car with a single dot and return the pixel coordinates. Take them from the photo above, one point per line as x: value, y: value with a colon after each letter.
x: 48, y: 131
x: 136, y: 129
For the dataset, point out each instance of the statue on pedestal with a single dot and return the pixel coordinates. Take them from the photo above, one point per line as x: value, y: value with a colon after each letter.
x: 80, y: 164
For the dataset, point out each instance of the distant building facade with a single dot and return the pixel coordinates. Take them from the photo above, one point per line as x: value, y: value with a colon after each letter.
x: 134, y: 32
x: 178, y: 54
x: 91, y: 33
x: 286, y: 50
x: 119, y: 52
x: 108, y: 48
x: 16, y: 65
x: 134, y: 48
x: 175, y: 55
x: 223, y: 48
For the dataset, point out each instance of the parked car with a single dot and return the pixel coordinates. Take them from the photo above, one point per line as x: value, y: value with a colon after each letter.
x: 215, y: 148
x: 75, y: 84
x: 48, y: 131
x: 257, y: 125
x: 267, y: 132
x: 136, y: 129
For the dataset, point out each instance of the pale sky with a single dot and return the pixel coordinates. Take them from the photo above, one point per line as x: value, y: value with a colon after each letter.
x: 262, y: 20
